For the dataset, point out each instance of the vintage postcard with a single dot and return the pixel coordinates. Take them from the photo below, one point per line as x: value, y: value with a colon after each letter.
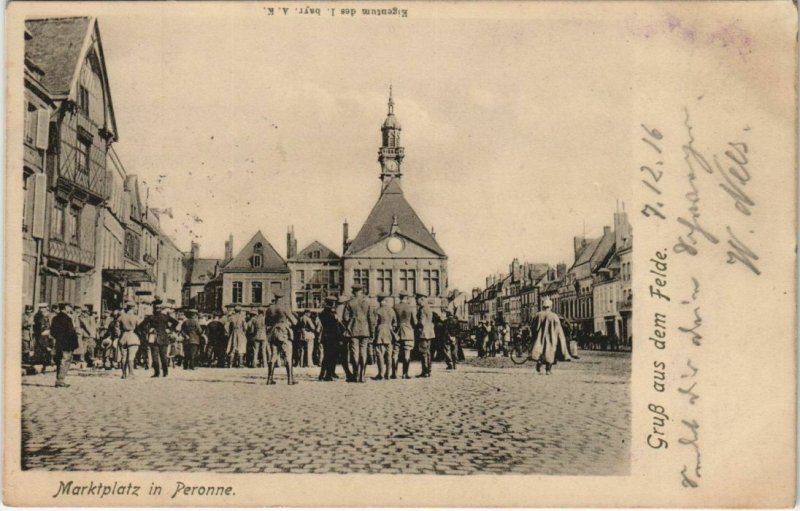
x: 406, y: 254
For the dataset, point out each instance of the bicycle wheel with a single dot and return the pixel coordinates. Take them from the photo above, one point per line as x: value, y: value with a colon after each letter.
x: 520, y: 352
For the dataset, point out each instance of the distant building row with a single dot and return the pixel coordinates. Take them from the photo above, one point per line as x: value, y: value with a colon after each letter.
x: 594, y: 293
x: 88, y: 236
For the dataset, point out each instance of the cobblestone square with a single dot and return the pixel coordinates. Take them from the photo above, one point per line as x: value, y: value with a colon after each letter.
x: 489, y: 416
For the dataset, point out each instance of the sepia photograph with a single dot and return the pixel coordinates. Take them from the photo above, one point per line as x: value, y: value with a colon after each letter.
x: 258, y: 247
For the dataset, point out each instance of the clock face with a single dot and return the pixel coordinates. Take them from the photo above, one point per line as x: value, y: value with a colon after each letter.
x: 391, y: 166
x: 395, y: 245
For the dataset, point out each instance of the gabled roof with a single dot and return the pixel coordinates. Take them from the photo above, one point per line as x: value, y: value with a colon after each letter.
x: 325, y: 254
x: 379, y: 222
x: 58, y: 46
x: 198, y: 268
x: 593, y: 254
x: 271, y: 260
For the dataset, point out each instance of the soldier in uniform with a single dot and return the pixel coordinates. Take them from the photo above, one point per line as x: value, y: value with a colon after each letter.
x: 43, y: 352
x: 237, y: 340
x: 258, y: 327
x: 192, y: 333
x: 344, y: 339
x: 63, y: 331
x: 129, y: 342
x: 404, y: 342
x: 307, y: 333
x: 159, y: 324
x: 451, y: 330
x: 217, y: 339
x: 358, y: 320
x: 425, y: 333
x: 385, y: 325
x: 330, y: 333
x: 279, y: 320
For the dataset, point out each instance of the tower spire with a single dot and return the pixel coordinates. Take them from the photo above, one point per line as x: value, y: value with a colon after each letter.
x: 391, y: 101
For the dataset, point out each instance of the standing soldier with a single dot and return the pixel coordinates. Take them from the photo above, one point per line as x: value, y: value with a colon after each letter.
x: 330, y: 333
x: 63, y: 331
x: 237, y: 340
x: 258, y: 327
x: 426, y: 334
x: 279, y: 321
x: 344, y: 339
x: 385, y: 325
x: 192, y: 332
x: 549, y: 343
x: 406, y: 326
x: 318, y: 348
x: 41, y: 336
x: 88, y: 330
x: 128, y: 342
x: 451, y: 331
x: 159, y: 323
x: 307, y: 330
x: 217, y: 339
x: 358, y: 320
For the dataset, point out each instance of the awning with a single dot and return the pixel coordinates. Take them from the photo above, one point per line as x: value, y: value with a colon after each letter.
x: 128, y: 275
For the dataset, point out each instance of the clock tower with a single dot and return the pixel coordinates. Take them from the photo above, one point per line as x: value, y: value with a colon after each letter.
x: 390, y: 154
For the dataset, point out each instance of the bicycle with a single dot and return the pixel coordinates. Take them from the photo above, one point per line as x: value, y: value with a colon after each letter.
x: 520, y: 350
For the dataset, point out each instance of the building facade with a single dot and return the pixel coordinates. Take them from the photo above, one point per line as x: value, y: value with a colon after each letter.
x: 82, y: 128
x: 394, y: 251
x: 315, y: 274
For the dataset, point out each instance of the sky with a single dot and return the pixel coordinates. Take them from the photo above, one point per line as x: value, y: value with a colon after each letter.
x: 242, y: 123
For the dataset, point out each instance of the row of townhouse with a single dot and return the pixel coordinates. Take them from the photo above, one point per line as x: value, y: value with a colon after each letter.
x: 594, y: 294
x: 88, y: 237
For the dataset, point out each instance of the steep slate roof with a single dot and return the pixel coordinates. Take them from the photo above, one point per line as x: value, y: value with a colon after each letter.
x: 391, y: 203
x: 195, y: 268
x: 593, y: 254
x: 56, y: 47
x: 272, y: 261
x: 326, y: 254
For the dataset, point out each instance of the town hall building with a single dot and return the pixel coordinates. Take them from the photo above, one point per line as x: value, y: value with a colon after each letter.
x: 394, y: 251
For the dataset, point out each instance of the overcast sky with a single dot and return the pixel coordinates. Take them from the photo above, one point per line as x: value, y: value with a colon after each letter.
x: 260, y: 123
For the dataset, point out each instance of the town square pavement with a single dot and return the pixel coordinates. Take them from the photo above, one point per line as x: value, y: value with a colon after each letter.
x: 489, y: 416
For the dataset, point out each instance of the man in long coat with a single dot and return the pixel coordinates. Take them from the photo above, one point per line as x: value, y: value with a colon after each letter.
x: 385, y: 325
x: 406, y: 326
x: 358, y: 320
x: 344, y: 339
x: 330, y: 333
x: 549, y: 342
x: 63, y: 331
x: 237, y: 340
x: 425, y: 333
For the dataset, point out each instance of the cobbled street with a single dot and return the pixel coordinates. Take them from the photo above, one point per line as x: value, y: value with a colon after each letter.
x: 489, y: 416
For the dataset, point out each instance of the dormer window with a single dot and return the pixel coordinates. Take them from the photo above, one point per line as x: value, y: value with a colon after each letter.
x: 257, y: 260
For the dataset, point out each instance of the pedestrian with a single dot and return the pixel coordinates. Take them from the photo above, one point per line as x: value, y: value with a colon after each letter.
x: 549, y: 343
x: 42, y: 348
x: 279, y: 320
x: 27, y: 335
x: 358, y: 320
x: 330, y: 333
x: 129, y: 342
x: 451, y: 331
x: 63, y: 331
x: 385, y: 326
x: 159, y: 325
x: 482, y: 338
x: 217, y: 338
x: 566, y: 326
x: 308, y: 332
x: 344, y: 338
x: 425, y: 334
x: 237, y: 340
x: 191, y: 332
x: 258, y: 327
x: 406, y: 326
x: 88, y: 332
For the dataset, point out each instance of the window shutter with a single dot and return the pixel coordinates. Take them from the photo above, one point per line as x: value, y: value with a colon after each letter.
x: 42, y: 129
x: 39, y: 203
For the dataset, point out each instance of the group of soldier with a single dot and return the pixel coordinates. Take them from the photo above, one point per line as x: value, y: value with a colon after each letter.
x: 349, y: 331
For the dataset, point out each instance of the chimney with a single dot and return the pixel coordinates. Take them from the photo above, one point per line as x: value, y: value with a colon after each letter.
x: 195, y: 250
x: 578, y: 243
x: 345, y: 236
x: 229, y: 248
x: 622, y: 228
x: 291, y: 244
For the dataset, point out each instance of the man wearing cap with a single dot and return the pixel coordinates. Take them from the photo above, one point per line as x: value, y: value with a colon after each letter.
x: 280, y: 322
x: 344, y: 339
x: 306, y: 344
x: 258, y: 327
x: 358, y: 320
x: 191, y: 332
x: 217, y: 338
x: 406, y: 326
x: 237, y: 340
x: 88, y: 332
x: 43, y: 352
x: 426, y: 334
x: 330, y: 333
x: 159, y: 324
x: 129, y: 342
x: 385, y: 325
x: 63, y: 331
x: 451, y: 331
x: 549, y: 342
